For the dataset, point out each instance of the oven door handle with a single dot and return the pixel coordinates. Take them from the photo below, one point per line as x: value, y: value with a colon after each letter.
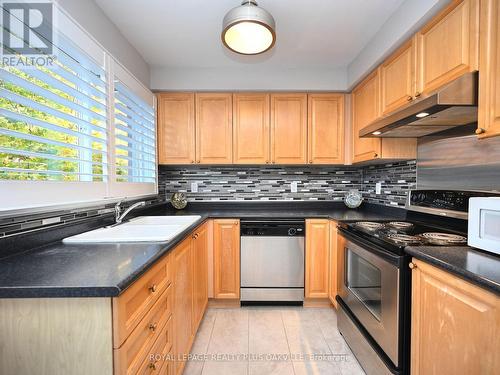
x: 378, y: 251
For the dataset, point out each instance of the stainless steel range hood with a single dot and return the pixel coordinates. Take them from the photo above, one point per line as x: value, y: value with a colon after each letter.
x: 453, y: 105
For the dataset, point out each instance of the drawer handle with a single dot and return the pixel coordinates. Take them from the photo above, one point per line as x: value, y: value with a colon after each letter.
x: 153, y: 288
x: 153, y: 326
x: 152, y: 366
x: 417, y: 94
x: 409, y: 98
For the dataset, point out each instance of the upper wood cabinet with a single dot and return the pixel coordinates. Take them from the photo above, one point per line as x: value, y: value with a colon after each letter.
x: 251, y: 128
x: 489, y: 65
x: 226, y: 254
x: 397, y: 78
x: 289, y: 128
x: 176, y: 128
x: 447, y: 46
x: 455, y: 325
x: 325, y: 128
x: 317, y: 258
x: 366, y: 109
x: 214, y: 128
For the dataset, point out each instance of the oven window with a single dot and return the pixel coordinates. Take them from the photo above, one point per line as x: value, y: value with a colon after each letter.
x: 364, y: 280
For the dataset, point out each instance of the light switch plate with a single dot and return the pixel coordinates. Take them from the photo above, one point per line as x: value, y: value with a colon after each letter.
x: 378, y: 188
x: 194, y: 187
x: 293, y: 186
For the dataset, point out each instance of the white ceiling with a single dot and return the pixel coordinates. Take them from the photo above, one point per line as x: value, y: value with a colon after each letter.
x: 310, y: 33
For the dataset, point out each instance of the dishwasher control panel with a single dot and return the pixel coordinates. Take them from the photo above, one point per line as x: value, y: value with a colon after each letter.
x: 290, y: 228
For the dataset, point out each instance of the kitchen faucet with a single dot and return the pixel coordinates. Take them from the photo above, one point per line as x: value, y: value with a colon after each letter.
x: 119, y: 216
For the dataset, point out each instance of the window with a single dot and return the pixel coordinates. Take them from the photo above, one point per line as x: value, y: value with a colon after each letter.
x: 73, y: 131
x: 135, y: 144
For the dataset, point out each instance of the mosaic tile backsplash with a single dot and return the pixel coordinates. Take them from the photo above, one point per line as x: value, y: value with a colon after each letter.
x: 242, y: 183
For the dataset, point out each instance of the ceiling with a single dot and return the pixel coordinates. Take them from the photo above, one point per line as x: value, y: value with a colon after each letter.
x: 310, y: 33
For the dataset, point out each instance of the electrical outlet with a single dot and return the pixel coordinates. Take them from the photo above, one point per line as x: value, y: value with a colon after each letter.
x: 194, y: 187
x: 293, y: 186
x: 378, y: 188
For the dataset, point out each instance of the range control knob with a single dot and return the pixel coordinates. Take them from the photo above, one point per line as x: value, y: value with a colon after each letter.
x: 292, y: 232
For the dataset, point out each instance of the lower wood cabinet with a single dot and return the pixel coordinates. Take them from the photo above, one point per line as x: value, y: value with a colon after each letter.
x: 200, y: 273
x: 226, y: 255
x: 455, y: 325
x: 182, y: 262
x: 332, y: 264
x: 317, y: 258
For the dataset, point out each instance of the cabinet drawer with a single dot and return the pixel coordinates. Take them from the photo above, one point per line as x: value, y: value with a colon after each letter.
x: 130, y: 356
x: 135, y: 302
x: 157, y: 360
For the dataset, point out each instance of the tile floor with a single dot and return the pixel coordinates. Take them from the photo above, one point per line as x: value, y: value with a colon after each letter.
x: 271, y: 340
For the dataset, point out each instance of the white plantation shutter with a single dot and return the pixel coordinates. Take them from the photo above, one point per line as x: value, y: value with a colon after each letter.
x: 65, y: 134
x: 135, y: 137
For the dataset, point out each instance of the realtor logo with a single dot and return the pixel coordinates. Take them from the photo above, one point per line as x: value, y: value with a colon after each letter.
x: 27, y: 28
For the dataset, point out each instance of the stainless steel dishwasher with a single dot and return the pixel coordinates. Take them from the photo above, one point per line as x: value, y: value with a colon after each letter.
x: 272, y: 261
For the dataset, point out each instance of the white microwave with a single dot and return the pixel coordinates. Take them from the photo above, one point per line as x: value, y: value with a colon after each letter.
x: 484, y: 224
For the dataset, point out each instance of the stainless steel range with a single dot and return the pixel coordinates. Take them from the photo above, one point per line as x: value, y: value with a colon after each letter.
x: 374, y: 297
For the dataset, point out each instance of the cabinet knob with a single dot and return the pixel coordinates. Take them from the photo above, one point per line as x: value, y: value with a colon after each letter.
x: 274, y: 162
x: 152, y: 366
x: 417, y: 94
x: 153, y: 326
x: 412, y: 265
x: 198, y: 161
x: 310, y: 161
x: 192, y: 161
x: 267, y: 161
x: 409, y: 98
x: 480, y: 131
x: 153, y: 288
x: 375, y: 155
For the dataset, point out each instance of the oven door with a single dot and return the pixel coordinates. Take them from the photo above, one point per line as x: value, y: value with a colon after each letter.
x: 370, y: 289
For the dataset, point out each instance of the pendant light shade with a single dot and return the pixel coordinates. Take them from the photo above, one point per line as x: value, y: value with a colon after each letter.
x: 248, y: 29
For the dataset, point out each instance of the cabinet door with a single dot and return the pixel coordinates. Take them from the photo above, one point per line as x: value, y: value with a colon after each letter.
x: 200, y: 274
x: 447, y: 46
x: 183, y: 300
x: 489, y: 64
x: 332, y: 264
x: 365, y: 109
x: 289, y: 128
x: 455, y: 325
x: 214, y: 124
x: 325, y: 128
x: 397, y: 78
x: 227, y: 258
x: 176, y: 134
x: 251, y: 128
x: 317, y: 251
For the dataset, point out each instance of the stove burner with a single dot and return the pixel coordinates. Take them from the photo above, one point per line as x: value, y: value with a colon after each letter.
x: 436, y: 238
x: 369, y: 225
x: 400, y: 225
x: 404, y: 239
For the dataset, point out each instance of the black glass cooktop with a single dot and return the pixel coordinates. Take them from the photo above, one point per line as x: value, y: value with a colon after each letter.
x: 396, y: 235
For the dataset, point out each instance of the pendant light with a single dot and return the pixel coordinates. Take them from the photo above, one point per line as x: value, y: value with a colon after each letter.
x: 248, y: 29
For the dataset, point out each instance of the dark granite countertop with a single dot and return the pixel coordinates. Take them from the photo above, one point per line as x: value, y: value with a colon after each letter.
x: 473, y: 265
x: 106, y: 270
